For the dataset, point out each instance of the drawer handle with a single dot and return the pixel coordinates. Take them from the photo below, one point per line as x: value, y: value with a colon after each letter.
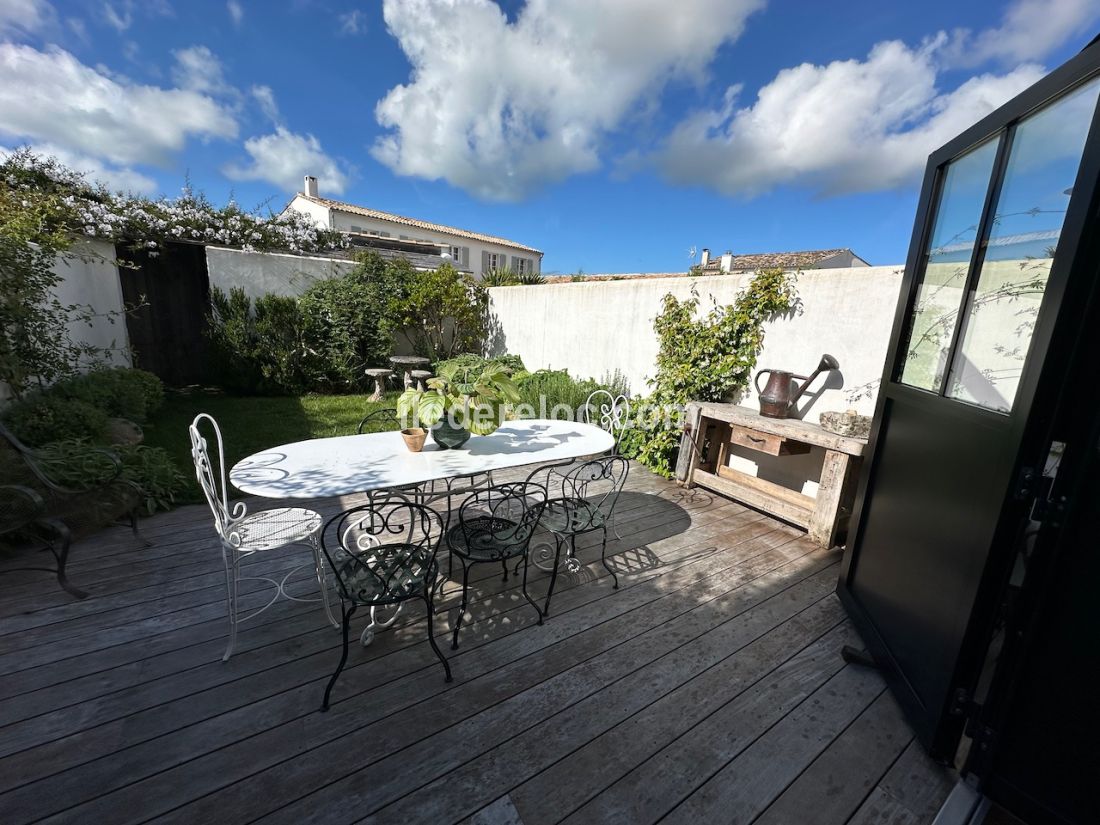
x: 757, y: 440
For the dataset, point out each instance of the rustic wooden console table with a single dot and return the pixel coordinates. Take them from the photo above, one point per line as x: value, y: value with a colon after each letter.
x: 704, y: 452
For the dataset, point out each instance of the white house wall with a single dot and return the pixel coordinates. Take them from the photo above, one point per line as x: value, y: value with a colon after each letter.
x: 347, y: 222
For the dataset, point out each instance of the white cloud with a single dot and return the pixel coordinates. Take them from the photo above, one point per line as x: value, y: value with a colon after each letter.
x: 1029, y: 31
x: 198, y: 70
x: 353, y: 22
x: 236, y: 11
x: 114, y: 177
x: 848, y: 126
x: 283, y: 158
x: 500, y: 109
x: 51, y: 97
x: 21, y: 17
x: 265, y: 97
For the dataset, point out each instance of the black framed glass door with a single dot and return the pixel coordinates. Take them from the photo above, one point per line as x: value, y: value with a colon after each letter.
x: 950, y: 479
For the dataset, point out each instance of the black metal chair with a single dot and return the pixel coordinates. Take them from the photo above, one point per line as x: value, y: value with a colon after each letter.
x: 383, y: 553
x: 581, y: 499
x: 24, y: 512
x: 495, y: 525
x: 379, y: 421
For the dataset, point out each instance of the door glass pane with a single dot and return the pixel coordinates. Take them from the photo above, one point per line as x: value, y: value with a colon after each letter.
x: 1000, y: 318
x: 946, y: 264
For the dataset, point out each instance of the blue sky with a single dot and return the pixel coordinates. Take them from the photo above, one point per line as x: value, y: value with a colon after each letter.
x: 612, y: 135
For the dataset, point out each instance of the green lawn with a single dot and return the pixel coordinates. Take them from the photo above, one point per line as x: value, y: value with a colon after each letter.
x: 252, y: 424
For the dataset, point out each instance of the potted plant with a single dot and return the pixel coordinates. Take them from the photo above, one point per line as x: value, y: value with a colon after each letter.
x: 461, y: 401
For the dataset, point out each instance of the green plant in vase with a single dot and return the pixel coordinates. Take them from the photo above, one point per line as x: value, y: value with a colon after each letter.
x: 460, y: 401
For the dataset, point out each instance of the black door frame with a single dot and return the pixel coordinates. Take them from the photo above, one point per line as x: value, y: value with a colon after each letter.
x: 1039, y: 392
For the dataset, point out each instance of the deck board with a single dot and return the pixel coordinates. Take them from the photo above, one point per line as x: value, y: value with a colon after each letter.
x: 710, y: 681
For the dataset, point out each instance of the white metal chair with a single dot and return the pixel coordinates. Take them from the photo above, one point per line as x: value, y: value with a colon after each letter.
x: 608, y: 412
x: 243, y: 534
x: 611, y: 413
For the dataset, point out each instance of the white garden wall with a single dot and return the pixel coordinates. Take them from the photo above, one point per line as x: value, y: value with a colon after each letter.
x: 90, y: 279
x: 260, y: 273
x: 595, y: 328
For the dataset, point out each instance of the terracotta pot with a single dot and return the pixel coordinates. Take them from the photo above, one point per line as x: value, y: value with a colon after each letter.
x: 414, y: 438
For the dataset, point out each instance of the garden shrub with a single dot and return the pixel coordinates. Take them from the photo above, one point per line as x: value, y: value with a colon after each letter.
x: 118, y: 391
x: 477, y: 363
x: 73, y: 464
x: 558, y: 387
x: 320, y: 342
x: 445, y: 312
x: 46, y: 416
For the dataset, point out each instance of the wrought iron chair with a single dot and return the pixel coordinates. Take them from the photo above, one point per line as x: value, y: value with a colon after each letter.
x: 74, y: 500
x: 495, y: 525
x: 379, y: 421
x: 243, y: 534
x: 608, y: 412
x: 581, y: 499
x: 23, y: 511
x: 383, y: 553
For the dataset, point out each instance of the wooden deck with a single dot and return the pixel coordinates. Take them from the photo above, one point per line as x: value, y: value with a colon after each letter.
x: 708, y: 688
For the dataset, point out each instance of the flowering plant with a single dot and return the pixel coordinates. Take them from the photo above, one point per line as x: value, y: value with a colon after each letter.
x: 78, y: 206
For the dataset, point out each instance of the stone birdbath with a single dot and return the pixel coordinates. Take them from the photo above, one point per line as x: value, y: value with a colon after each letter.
x: 379, y: 375
x: 405, y: 364
x: 420, y: 376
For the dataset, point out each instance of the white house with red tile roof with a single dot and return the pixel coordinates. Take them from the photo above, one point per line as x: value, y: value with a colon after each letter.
x: 475, y: 252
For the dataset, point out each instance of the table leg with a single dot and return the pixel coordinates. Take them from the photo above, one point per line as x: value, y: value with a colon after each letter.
x: 830, y: 490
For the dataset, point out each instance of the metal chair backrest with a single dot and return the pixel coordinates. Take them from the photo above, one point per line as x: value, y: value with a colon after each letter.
x: 211, y: 478
x: 378, y: 548
x: 501, y: 519
x: 608, y: 412
x: 597, y: 482
x: 379, y: 421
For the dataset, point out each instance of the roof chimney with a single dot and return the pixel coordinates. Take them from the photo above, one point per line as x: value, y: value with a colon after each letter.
x: 311, y: 187
x: 704, y: 259
x: 727, y: 261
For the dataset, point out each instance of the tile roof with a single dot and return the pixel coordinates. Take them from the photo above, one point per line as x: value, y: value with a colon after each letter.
x: 430, y: 227
x: 773, y: 260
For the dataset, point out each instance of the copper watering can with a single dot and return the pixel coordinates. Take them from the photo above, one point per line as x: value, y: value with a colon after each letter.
x: 777, y: 398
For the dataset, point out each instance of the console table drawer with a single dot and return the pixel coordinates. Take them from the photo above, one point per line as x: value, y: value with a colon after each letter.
x: 763, y: 442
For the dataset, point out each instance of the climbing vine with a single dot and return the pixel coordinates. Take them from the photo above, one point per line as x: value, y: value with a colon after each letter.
x: 702, y: 358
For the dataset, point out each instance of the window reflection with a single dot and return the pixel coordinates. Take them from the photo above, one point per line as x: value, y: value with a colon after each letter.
x: 1000, y: 317
x: 947, y: 263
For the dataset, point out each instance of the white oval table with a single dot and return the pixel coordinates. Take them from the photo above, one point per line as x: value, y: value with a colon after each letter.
x: 339, y: 466
x: 343, y: 465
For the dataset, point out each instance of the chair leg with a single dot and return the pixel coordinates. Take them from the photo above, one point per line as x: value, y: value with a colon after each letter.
x: 462, y: 607
x: 553, y: 574
x: 232, y: 575
x: 431, y: 633
x: 527, y: 595
x: 62, y: 558
x: 134, y: 529
x: 603, y: 558
x: 343, y: 657
x: 504, y: 566
x: 322, y: 579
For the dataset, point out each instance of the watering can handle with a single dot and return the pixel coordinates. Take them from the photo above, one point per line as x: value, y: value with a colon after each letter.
x: 756, y: 381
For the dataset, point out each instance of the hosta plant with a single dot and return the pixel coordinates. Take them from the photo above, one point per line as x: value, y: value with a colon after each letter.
x: 475, y: 398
